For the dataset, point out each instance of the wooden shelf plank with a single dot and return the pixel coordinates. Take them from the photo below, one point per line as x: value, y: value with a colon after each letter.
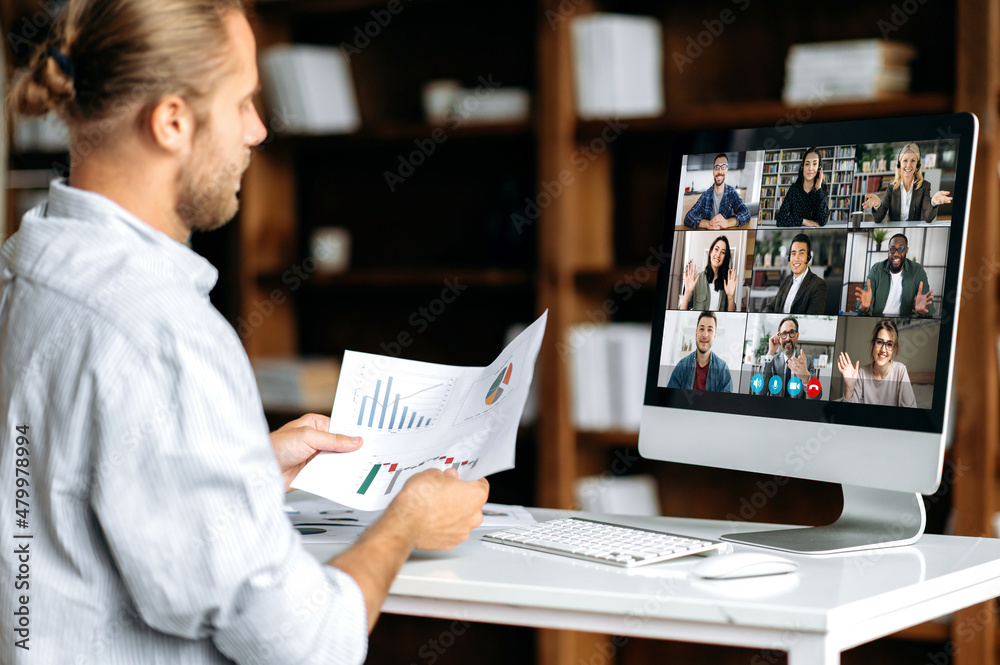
x: 768, y: 112
x: 407, y: 132
x: 397, y: 277
x: 608, y: 439
x: 640, y: 277
x: 929, y: 631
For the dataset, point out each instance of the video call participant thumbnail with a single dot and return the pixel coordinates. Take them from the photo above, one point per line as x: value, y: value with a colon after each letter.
x: 908, y: 197
x: 806, y: 202
x: 801, y: 291
x: 896, y: 286
x: 882, y: 381
x: 713, y: 288
x: 702, y: 369
x: 719, y: 207
x: 792, y: 361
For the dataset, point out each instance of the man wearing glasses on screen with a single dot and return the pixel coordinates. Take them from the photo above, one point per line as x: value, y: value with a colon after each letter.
x: 719, y: 207
x: 896, y: 286
x: 792, y: 366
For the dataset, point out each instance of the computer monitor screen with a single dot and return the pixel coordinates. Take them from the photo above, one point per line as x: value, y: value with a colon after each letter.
x: 807, y: 309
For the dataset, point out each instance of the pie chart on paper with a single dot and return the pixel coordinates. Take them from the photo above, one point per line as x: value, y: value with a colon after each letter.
x: 503, y: 379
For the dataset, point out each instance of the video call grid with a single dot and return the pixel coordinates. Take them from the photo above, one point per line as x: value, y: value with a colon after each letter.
x: 817, y: 264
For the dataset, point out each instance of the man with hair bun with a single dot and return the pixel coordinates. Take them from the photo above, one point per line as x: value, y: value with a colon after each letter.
x: 154, y: 489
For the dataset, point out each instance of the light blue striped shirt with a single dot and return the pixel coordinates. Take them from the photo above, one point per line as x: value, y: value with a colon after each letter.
x: 153, y: 498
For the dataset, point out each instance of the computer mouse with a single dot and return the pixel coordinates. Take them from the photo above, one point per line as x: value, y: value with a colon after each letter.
x: 743, y: 564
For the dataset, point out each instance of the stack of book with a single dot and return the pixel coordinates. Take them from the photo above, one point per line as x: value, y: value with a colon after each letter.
x: 862, y: 69
x: 309, y: 90
x: 618, y: 66
x: 608, y: 375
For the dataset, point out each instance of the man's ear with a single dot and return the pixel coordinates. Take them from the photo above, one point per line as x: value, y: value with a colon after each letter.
x: 172, y: 124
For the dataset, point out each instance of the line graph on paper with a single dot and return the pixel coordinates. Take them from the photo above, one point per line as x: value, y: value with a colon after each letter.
x: 400, y: 401
x: 384, y: 477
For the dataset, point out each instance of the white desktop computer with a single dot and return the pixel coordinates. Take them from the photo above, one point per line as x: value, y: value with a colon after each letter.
x: 807, y: 312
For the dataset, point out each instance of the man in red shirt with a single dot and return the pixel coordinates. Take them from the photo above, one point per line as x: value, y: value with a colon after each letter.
x: 702, y: 369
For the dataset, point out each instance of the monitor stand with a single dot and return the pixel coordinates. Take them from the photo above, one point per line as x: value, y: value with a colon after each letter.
x: 871, y: 519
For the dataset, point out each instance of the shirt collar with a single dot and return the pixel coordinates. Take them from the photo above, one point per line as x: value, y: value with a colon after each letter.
x: 798, y: 280
x: 73, y: 203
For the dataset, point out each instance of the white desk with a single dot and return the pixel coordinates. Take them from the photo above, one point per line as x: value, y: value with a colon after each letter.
x: 833, y: 603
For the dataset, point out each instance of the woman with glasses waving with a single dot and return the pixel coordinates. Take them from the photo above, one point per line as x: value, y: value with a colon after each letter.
x: 883, y: 381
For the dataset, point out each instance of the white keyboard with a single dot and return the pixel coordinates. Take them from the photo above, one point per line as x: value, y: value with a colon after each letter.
x: 601, y: 542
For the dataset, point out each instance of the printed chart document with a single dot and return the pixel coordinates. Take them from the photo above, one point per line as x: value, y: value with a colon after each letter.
x: 415, y: 416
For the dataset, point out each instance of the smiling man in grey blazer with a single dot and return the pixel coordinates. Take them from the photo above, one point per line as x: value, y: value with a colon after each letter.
x: 785, y: 359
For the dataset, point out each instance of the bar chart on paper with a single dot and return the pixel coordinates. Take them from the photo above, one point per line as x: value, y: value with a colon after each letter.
x: 401, y: 401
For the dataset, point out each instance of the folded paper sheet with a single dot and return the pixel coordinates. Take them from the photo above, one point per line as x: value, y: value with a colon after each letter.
x: 415, y: 416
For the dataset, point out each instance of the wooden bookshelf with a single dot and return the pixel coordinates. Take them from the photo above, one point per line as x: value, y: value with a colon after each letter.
x: 718, y: 92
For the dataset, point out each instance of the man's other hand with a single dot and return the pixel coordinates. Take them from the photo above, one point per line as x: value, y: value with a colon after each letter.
x: 302, y: 439
x: 442, y: 508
